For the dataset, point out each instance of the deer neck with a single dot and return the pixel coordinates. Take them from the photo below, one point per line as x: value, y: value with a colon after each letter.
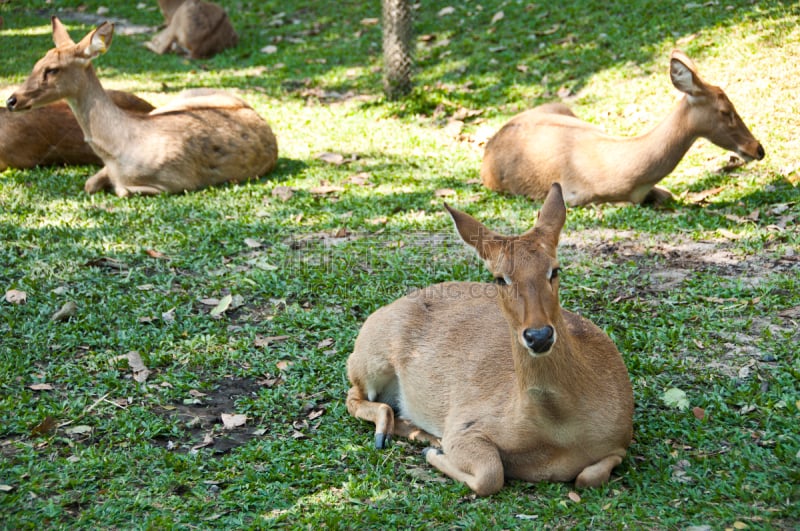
x: 105, y: 126
x: 547, y: 378
x: 650, y: 157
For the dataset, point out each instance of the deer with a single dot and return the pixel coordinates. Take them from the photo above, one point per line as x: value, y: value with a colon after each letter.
x: 50, y: 135
x: 549, y: 144
x: 202, y: 137
x: 498, y: 379
x: 195, y: 28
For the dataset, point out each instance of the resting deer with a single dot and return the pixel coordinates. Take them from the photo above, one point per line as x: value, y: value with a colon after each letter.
x: 201, y: 138
x: 194, y: 27
x: 512, y: 385
x: 51, y: 135
x: 549, y: 144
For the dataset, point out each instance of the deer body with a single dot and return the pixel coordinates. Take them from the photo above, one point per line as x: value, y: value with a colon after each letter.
x: 51, y: 135
x: 550, y: 144
x: 202, y: 138
x: 511, y: 385
x: 198, y: 28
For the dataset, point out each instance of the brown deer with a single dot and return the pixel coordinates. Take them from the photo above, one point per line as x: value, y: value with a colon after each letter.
x: 550, y: 144
x: 196, y: 28
x: 507, y: 382
x: 51, y: 135
x: 201, y: 138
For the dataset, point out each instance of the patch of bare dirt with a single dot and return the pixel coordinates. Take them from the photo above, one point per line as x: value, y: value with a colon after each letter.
x: 201, y: 417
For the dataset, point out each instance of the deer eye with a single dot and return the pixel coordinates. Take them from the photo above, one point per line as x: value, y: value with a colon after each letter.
x: 502, y: 280
x: 50, y: 71
x: 554, y: 273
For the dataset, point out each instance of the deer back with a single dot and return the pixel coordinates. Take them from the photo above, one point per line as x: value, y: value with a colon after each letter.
x: 198, y: 28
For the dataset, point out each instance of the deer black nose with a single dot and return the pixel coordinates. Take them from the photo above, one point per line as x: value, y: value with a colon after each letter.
x: 11, y: 102
x: 760, y: 152
x: 539, y: 340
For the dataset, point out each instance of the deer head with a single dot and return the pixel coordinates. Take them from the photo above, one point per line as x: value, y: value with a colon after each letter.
x: 525, y: 269
x: 713, y: 113
x: 59, y: 73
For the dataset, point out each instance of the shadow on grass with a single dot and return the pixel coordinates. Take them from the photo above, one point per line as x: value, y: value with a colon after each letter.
x: 466, y: 57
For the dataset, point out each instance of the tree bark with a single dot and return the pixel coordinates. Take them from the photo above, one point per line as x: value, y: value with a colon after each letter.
x: 397, y: 48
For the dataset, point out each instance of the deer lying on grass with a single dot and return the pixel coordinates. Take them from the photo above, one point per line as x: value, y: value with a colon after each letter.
x: 51, y: 135
x: 514, y: 386
x: 201, y: 138
x: 549, y: 144
x: 194, y: 27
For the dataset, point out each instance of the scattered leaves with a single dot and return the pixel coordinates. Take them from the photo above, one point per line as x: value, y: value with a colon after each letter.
x: 325, y: 189
x: 574, y: 496
x: 699, y: 413
x: 41, y: 387
x: 80, y: 429
x: 449, y: 10
x: 331, y: 158
x: 47, y: 425
x: 265, y: 341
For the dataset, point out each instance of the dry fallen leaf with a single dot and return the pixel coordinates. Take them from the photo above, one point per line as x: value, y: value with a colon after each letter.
x: 284, y: 193
x: 140, y: 370
x: 269, y: 49
x: 574, y: 496
x: 325, y: 343
x: 370, y: 21
x: 41, y: 387
x: 359, y: 179
x: 15, y: 296
x: 331, y: 158
x: 264, y: 341
x: 222, y: 306
x: 326, y: 189
x: 283, y: 365
x: 444, y: 192
x: 699, y: 413
x: 232, y: 421
x: 69, y: 309
x: 78, y: 430
x: 449, y: 10
x: 47, y: 425
x: 498, y: 17
x: 253, y: 243
x: 152, y: 253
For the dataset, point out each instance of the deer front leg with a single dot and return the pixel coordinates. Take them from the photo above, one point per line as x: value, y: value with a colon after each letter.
x: 598, y: 473
x: 474, y: 462
x: 98, y: 181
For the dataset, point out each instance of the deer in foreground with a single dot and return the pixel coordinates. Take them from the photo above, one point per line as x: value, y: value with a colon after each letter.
x: 201, y: 138
x: 51, y: 135
x: 194, y: 27
x: 550, y: 144
x: 507, y: 383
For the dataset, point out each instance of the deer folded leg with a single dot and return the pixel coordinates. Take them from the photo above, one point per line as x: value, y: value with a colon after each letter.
x: 476, y: 463
x: 598, y: 473
x: 162, y: 41
x: 377, y: 412
x: 409, y: 430
x: 98, y: 181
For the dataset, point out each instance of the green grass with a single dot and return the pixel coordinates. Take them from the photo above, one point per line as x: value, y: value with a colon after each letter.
x: 699, y: 296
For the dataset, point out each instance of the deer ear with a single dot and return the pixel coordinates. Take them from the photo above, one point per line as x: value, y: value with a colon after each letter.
x: 552, y: 215
x: 475, y: 234
x: 97, y: 42
x: 683, y: 73
x: 60, y: 35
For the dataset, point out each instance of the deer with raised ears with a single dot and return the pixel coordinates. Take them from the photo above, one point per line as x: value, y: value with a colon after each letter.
x: 201, y: 138
x: 550, y: 144
x: 497, y: 377
x: 51, y: 135
x: 197, y: 28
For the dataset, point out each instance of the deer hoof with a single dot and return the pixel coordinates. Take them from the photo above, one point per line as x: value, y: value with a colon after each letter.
x: 382, y: 440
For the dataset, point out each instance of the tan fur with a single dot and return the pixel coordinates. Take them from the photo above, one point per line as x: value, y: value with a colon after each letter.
x: 51, y: 135
x: 194, y: 27
x: 202, y: 138
x: 452, y: 362
x: 549, y: 144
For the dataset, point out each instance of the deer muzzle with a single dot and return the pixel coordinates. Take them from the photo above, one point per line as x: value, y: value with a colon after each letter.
x: 539, y: 340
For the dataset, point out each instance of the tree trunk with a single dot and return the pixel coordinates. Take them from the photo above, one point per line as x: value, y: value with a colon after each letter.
x: 397, y: 43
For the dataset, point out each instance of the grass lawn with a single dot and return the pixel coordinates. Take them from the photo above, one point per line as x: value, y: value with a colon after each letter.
x: 246, y: 299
